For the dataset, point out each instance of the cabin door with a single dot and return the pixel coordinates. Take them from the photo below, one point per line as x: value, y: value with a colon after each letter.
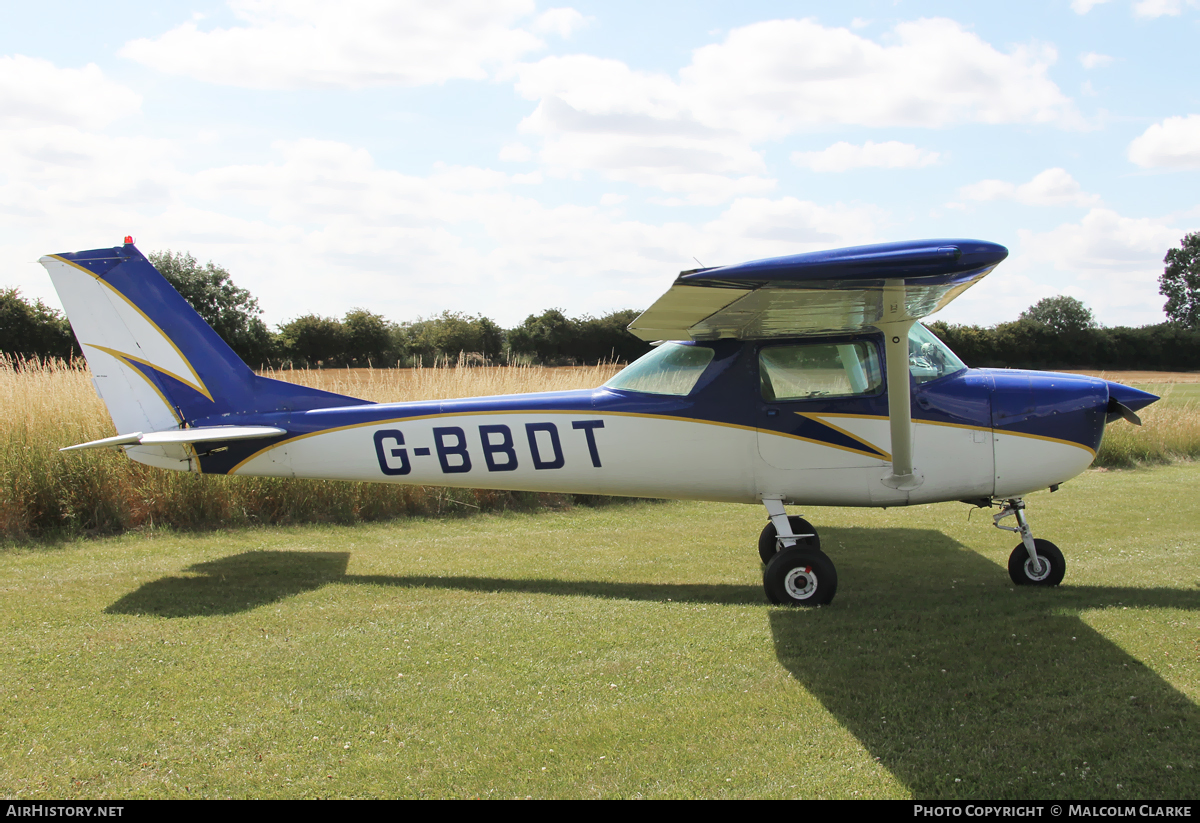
x: 819, y: 405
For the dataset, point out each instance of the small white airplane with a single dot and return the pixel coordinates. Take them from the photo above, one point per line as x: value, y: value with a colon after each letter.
x: 802, y: 380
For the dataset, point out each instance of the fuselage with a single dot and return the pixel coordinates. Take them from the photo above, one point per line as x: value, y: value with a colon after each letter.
x: 734, y: 435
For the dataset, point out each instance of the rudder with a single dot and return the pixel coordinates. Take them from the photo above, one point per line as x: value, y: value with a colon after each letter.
x: 155, y: 363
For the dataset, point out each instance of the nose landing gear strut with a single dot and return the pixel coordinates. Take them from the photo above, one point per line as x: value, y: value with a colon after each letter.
x: 1034, y: 562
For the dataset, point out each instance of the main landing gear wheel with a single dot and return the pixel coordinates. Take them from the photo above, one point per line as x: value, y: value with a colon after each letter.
x: 768, y: 544
x: 800, y: 577
x: 1049, y: 571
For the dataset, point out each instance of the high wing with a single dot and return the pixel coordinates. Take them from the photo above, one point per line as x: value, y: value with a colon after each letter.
x: 841, y: 290
x: 888, y: 286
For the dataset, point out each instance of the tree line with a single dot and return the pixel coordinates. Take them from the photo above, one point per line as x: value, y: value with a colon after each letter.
x: 359, y: 338
x: 1027, y: 344
x: 1056, y: 333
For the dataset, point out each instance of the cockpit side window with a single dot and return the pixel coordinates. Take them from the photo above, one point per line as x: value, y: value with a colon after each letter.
x: 672, y: 368
x: 810, y: 370
x: 928, y: 357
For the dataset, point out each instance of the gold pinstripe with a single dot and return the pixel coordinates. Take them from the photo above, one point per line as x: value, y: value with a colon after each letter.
x: 997, y: 432
x: 392, y: 420
x: 189, y: 447
x: 126, y: 359
x: 875, y: 452
x: 197, y: 383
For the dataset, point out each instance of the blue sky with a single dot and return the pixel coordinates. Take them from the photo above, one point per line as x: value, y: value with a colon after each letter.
x: 502, y: 157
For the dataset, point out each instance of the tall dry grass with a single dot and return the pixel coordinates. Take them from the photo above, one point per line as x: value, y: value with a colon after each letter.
x: 1169, y: 432
x: 400, y: 385
x: 45, y: 406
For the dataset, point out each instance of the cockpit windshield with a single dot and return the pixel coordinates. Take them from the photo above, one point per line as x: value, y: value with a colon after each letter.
x: 672, y: 368
x: 928, y: 357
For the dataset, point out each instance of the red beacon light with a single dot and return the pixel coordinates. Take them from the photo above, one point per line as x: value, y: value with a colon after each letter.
x: 129, y: 240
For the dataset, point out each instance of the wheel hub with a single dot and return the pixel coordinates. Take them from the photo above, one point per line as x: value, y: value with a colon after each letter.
x: 800, y: 583
x: 1037, y: 572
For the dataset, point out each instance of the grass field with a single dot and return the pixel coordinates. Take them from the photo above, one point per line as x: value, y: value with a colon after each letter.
x: 625, y: 651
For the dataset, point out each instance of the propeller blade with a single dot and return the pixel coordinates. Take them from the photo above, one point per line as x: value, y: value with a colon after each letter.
x: 1117, y: 409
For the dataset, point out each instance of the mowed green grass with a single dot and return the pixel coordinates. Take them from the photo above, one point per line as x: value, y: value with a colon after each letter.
x: 623, y: 651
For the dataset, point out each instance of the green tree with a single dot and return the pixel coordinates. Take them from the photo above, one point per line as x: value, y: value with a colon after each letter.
x: 33, y: 329
x: 1180, y: 282
x: 232, y: 311
x: 451, y: 333
x: 368, y: 340
x: 608, y: 339
x: 313, y: 340
x: 547, y: 336
x: 1060, y: 314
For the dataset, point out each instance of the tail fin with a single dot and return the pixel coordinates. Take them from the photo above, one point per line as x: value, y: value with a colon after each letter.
x: 156, y: 364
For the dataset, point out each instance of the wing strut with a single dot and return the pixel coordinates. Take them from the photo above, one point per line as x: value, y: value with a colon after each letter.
x: 895, y: 326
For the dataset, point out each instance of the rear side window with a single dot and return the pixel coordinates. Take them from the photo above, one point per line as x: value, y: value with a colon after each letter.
x: 672, y: 368
x: 811, y: 370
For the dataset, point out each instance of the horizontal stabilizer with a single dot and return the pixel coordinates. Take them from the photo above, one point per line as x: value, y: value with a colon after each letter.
x: 204, y: 434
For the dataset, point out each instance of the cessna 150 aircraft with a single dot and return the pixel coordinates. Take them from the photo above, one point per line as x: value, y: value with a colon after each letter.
x: 802, y: 380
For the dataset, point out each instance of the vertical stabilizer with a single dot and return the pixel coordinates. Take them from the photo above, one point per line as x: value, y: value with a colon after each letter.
x: 155, y: 362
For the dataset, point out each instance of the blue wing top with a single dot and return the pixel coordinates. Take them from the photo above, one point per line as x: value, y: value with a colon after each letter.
x: 840, y: 290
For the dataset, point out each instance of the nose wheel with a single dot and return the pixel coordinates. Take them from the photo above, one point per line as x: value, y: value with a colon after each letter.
x: 1034, y: 562
x: 1048, y: 569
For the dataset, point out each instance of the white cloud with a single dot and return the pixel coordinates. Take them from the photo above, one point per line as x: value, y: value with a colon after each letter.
x: 703, y: 165
x: 792, y: 226
x: 1157, y: 8
x: 288, y: 44
x: 1052, y: 187
x: 1173, y: 143
x: 1093, y: 60
x: 1109, y: 261
x: 842, y: 156
x: 516, y: 153
x: 1105, y: 241
x: 695, y: 134
x: 1117, y: 259
x: 52, y: 169
x: 772, y: 78
x: 35, y: 92
x: 1084, y: 6
x: 320, y: 226
x: 562, y: 21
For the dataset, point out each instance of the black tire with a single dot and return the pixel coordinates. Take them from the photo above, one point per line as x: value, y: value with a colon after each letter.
x: 768, y: 546
x: 800, y: 577
x: 1020, y: 569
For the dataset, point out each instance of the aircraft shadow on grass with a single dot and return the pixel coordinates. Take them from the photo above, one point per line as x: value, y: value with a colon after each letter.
x: 246, y: 581
x: 937, y: 688
x: 960, y: 685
